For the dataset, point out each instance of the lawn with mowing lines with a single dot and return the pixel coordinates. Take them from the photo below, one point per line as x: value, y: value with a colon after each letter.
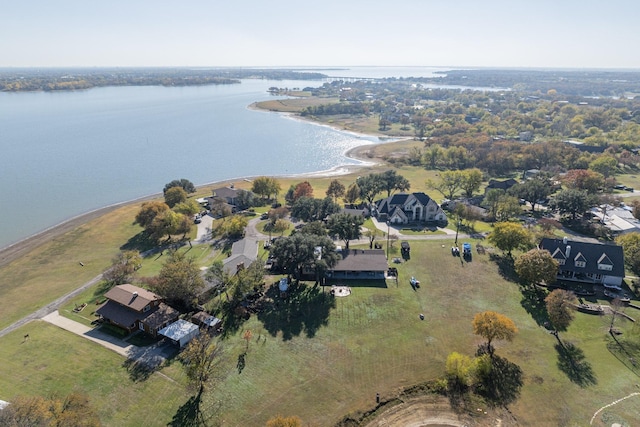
x: 52, y: 361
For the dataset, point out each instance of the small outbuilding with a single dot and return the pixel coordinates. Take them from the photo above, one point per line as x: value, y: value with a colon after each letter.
x: 180, y: 332
x: 207, y: 321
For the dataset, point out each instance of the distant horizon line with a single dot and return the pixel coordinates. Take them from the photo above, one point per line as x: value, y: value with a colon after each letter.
x: 317, y: 67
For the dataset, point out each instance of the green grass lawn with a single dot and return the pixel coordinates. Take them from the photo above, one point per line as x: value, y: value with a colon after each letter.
x: 315, y: 359
x: 320, y: 365
x: 56, y: 362
x: 54, y: 269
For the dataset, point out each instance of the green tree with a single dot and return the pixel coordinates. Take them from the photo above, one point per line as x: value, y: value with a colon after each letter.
x: 265, y: 186
x: 183, y: 183
x: 605, y: 165
x: 572, y: 202
x: 168, y: 223
x: 448, y: 185
x: 536, y: 266
x: 309, y: 209
x: 433, y: 154
x: 219, y: 278
x: 508, y: 208
x: 345, y: 226
x: 179, y: 280
x: 532, y: 190
x: 281, y: 226
x: 299, y: 251
x: 74, y: 410
x: 471, y: 181
x: 148, y: 211
x: 391, y: 181
x: 630, y: 243
x: 370, y: 186
x: 352, y: 195
x: 244, y: 199
x: 493, y: 326
x: 188, y: 208
x: 123, y: 267
x: 175, y: 195
x: 198, y: 358
x: 491, y: 200
x: 233, y: 227
x: 336, y: 189
x: 508, y: 236
x: 560, y: 308
x: 314, y: 227
x: 372, y: 234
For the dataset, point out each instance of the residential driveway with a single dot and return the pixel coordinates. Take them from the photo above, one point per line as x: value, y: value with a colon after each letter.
x: 204, y: 229
x: 151, y: 356
x: 105, y: 340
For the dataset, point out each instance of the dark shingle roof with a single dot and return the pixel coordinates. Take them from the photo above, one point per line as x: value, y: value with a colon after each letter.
x: 590, y: 253
x: 362, y: 260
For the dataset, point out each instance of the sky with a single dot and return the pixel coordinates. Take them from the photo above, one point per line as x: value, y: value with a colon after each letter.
x: 460, y: 33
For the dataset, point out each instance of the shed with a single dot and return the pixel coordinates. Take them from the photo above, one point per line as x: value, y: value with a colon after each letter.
x: 204, y: 319
x: 180, y: 332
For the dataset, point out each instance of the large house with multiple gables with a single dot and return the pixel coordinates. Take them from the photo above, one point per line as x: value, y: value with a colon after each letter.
x: 133, y: 308
x: 587, y: 262
x: 403, y: 208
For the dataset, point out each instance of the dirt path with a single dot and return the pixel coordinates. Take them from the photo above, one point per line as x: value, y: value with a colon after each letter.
x: 427, y: 411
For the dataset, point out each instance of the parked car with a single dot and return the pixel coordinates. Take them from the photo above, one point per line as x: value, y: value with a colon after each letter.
x: 264, y: 216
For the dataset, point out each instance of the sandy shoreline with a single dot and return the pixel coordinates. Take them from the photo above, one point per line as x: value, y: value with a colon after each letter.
x: 23, y: 247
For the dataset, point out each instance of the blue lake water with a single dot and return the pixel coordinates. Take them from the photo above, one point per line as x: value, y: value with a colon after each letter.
x: 67, y: 153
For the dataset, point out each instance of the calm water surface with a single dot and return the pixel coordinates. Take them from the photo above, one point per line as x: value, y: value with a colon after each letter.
x: 66, y: 153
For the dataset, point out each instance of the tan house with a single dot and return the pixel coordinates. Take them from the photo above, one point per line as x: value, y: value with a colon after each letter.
x: 133, y: 308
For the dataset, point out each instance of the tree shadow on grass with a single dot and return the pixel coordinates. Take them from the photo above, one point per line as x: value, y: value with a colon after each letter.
x: 140, y: 242
x: 242, y: 362
x: 571, y: 361
x: 501, y: 386
x: 505, y: 267
x: 190, y: 414
x: 305, y: 309
x: 626, y: 351
x: 138, y: 371
x: 533, y: 302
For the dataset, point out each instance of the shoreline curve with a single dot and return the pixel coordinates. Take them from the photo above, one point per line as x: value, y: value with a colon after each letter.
x: 22, y: 247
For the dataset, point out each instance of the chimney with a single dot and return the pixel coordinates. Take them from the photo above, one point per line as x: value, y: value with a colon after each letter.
x: 565, y: 240
x: 568, y: 251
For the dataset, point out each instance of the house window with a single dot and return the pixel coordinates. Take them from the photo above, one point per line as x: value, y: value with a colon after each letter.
x: 581, y: 264
x: 597, y: 276
x: 146, y: 308
x: 605, y: 267
x: 141, y: 326
x: 561, y: 261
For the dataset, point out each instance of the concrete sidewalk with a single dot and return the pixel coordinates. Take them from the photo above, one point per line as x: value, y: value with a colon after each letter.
x: 112, y: 343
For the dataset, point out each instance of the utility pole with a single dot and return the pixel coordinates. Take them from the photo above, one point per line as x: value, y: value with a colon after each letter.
x: 388, y: 232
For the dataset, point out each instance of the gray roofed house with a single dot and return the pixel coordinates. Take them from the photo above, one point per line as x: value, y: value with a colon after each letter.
x: 360, y: 264
x: 243, y: 253
x: 587, y: 262
x: 403, y: 208
x: 500, y: 185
